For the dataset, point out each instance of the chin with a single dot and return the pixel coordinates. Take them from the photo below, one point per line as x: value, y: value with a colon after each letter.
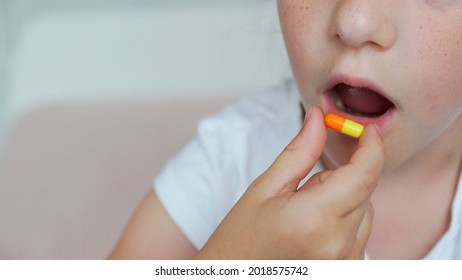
x: 339, y: 149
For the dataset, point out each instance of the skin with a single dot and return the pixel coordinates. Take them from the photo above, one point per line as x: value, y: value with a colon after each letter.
x: 408, y: 169
x: 420, y: 42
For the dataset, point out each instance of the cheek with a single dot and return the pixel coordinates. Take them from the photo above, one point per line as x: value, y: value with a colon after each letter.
x: 438, y: 74
x: 442, y: 62
x: 295, y: 27
x: 293, y: 16
x: 301, y: 22
x: 440, y: 52
x: 441, y: 98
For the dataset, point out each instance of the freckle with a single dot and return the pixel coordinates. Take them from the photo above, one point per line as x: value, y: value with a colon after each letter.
x: 420, y: 27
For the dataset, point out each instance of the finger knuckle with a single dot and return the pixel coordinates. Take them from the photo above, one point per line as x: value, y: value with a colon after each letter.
x: 292, y: 146
x: 369, y: 180
x: 337, y: 249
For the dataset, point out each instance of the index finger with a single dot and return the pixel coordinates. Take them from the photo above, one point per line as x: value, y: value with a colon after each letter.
x: 295, y: 162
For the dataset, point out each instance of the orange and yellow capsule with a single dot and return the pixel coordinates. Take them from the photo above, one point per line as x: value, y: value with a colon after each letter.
x: 343, y: 125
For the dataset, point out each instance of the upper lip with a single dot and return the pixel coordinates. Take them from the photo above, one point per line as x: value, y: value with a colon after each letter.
x: 355, y: 82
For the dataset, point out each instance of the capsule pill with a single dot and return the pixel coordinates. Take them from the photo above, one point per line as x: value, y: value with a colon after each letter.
x: 343, y: 125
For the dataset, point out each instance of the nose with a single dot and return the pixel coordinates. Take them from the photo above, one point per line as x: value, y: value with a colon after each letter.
x: 363, y: 22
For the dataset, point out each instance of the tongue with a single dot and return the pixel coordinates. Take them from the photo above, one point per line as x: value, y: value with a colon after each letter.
x: 363, y: 100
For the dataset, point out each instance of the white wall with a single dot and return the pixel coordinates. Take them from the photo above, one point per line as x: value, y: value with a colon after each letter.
x: 76, y: 50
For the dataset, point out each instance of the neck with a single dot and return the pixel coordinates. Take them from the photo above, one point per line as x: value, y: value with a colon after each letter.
x: 413, y: 202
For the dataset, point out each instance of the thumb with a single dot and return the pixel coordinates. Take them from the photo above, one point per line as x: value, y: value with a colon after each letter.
x: 300, y: 156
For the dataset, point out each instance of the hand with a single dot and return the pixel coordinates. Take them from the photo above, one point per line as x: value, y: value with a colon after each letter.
x: 329, y: 217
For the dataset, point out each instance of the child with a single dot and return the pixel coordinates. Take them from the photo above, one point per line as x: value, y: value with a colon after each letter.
x: 394, y: 66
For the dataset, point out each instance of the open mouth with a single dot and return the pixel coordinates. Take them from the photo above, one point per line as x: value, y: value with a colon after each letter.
x: 360, y: 101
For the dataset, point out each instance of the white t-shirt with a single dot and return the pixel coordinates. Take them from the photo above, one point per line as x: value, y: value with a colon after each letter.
x: 232, y: 148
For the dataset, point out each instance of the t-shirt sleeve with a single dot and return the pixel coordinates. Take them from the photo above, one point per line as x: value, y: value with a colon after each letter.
x: 188, y: 185
x: 233, y: 147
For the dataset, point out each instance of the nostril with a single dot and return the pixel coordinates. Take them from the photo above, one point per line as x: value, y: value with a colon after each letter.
x: 351, y: 42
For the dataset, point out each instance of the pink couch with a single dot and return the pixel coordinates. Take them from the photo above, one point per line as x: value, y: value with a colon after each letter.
x: 72, y: 174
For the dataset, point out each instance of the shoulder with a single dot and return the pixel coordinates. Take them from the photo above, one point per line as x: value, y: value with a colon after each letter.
x: 245, y: 137
x: 272, y: 107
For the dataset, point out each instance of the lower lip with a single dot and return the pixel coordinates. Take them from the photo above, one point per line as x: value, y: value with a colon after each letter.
x: 383, y: 122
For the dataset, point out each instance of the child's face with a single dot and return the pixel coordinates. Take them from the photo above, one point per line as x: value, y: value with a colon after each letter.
x: 397, y: 63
